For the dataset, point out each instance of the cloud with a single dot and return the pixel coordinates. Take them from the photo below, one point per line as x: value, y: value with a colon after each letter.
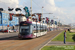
x: 59, y: 0
x: 8, y: 3
x: 49, y: 7
x: 63, y: 14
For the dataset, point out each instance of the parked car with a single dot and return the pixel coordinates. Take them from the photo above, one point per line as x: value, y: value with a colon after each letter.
x: 10, y: 30
x: 1, y: 30
x: 6, y: 30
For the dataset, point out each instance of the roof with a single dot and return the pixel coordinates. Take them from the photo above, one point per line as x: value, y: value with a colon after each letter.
x: 5, y: 11
x: 19, y: 15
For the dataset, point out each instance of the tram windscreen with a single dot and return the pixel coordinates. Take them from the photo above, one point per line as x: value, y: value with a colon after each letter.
x: 24, y: 30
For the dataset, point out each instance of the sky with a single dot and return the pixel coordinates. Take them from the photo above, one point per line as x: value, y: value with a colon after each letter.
x: 63, y: 10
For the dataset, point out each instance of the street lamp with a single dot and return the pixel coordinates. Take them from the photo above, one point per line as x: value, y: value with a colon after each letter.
x: 53, y: 22
x: 31, y: 9
x: 42, y: 17
x: 49, y: 18
x: 42, y: 14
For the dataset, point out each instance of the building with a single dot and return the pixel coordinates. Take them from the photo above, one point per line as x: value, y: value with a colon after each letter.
x: 4, y: 20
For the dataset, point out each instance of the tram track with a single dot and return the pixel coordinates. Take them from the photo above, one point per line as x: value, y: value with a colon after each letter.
x: 41, y: 42
x: 34, y: 41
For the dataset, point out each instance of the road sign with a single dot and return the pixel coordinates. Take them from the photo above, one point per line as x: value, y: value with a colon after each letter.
x: 7, y: 25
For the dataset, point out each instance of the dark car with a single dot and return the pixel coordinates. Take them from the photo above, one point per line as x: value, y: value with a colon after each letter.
x: 1, y: 30
x: 6, y: 30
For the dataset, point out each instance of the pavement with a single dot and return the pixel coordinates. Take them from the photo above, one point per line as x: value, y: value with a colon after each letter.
x: 72, y: 30
x: 59, y: 43
x: 7, y: 35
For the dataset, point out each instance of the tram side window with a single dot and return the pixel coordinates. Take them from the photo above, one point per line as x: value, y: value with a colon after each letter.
x: 45, y: 28
x: 23, y: 30
x: 37, y: 29
x: 34, y: 26
x: 42, y: 29
x: 37, y: 26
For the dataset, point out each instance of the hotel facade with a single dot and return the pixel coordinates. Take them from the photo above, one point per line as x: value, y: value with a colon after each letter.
x: 4, y: 20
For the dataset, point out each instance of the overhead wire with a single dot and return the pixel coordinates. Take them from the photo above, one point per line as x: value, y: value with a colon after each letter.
x: 38, y: 5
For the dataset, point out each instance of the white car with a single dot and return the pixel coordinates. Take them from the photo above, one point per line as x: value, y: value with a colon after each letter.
x: 10, y: 30
x: 15, y: 30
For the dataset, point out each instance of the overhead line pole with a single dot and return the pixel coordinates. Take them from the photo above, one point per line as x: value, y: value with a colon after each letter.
x: 42, y: 14
x: 49, y: 17
x: 42, y: 18
x: 31, y: 9
x: 39, y: 6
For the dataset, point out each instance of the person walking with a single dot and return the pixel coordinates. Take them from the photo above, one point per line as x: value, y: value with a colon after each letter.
x: 65, y: 37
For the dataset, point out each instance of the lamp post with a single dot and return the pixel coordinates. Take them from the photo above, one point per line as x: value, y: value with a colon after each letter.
x: 53, y: 22
x: 31, y: 10
x: 42, y: 13
x: 42, y: 17
x: 59, y: 24
x: 49, y: 18
x: 8, y: 25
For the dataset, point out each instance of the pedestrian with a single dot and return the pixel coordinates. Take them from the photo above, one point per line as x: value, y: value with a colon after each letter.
x: 65, y: 37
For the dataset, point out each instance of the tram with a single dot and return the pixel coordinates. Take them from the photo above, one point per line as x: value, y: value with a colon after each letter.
x: 29, y: 29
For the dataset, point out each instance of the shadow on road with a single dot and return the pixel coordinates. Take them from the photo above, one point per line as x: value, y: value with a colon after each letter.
x: 73, y: 37
x: 14, y: 38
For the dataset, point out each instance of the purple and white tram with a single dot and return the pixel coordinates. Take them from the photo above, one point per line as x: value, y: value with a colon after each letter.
x: 30, y: 29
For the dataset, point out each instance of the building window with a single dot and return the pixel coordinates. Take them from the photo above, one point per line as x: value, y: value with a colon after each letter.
x: 13, y: 22
x: 34, y: 26
x: 37, y: 26
x: 0, y: 21
x: 17, y: 18
x: 13, y: 18
x: 5, y: 22
x: 17, y: 22
x: 0, y: 16
x: 3, y: 16
x: 7, y: 16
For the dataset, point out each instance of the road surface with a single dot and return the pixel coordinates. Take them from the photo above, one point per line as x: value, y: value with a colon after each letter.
x: 14, y: 43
